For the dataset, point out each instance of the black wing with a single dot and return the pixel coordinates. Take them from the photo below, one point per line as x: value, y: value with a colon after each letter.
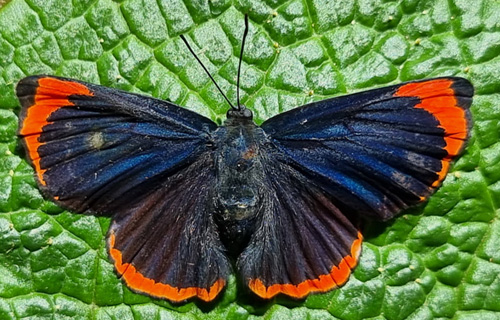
x: 100, y: 150
x: 382, y: 150
x: 91, y: 145
x: 303, y: 243
x: 166, y: 244
x: 371, y: 153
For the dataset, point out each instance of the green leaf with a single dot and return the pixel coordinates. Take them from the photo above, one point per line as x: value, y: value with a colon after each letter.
x: 440, y: 260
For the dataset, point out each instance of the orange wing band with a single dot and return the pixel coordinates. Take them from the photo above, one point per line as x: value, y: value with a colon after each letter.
x: 51, y: 94
x: 338, y: 275
x: 136, y: 281
x: 439, y: 99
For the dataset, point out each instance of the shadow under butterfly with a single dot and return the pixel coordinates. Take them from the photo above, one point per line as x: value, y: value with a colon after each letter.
x: 280, y: 200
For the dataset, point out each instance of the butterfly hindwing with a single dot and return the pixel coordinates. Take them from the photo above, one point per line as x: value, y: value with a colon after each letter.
x: 147, y: 163
x: 382, y: 150
x: 166, y: 244
x: 303, y: 243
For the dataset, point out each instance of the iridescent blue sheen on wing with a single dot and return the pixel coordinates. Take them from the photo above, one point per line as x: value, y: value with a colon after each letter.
x: 110, y: 143
x: 377, y: 151
x: 111, y: 155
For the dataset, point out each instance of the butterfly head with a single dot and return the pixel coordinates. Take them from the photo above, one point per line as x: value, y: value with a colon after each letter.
x: 242, y: 113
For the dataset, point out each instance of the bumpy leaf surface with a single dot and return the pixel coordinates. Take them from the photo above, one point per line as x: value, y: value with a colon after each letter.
x: 438, y: 261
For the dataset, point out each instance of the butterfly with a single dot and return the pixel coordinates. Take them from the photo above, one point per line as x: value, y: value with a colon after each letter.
x: 190, y: 200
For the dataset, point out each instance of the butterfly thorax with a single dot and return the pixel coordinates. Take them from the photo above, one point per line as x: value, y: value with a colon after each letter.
x: 239, y: 178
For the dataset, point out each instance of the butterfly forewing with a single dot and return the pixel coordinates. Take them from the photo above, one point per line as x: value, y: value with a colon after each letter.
x: 90, y: 145
x: 382, y: 150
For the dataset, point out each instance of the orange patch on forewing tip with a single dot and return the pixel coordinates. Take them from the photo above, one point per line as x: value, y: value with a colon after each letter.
x: 135, y: 280
x: 51, y: 94
x: 438, y: 98
x: 337, y: 276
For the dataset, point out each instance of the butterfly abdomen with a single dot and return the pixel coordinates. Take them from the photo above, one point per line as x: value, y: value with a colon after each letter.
x: 239, y: 182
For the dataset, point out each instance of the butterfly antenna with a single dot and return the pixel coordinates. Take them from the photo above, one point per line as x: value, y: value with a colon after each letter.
x: 245, y: 33
x: 206, y: 70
